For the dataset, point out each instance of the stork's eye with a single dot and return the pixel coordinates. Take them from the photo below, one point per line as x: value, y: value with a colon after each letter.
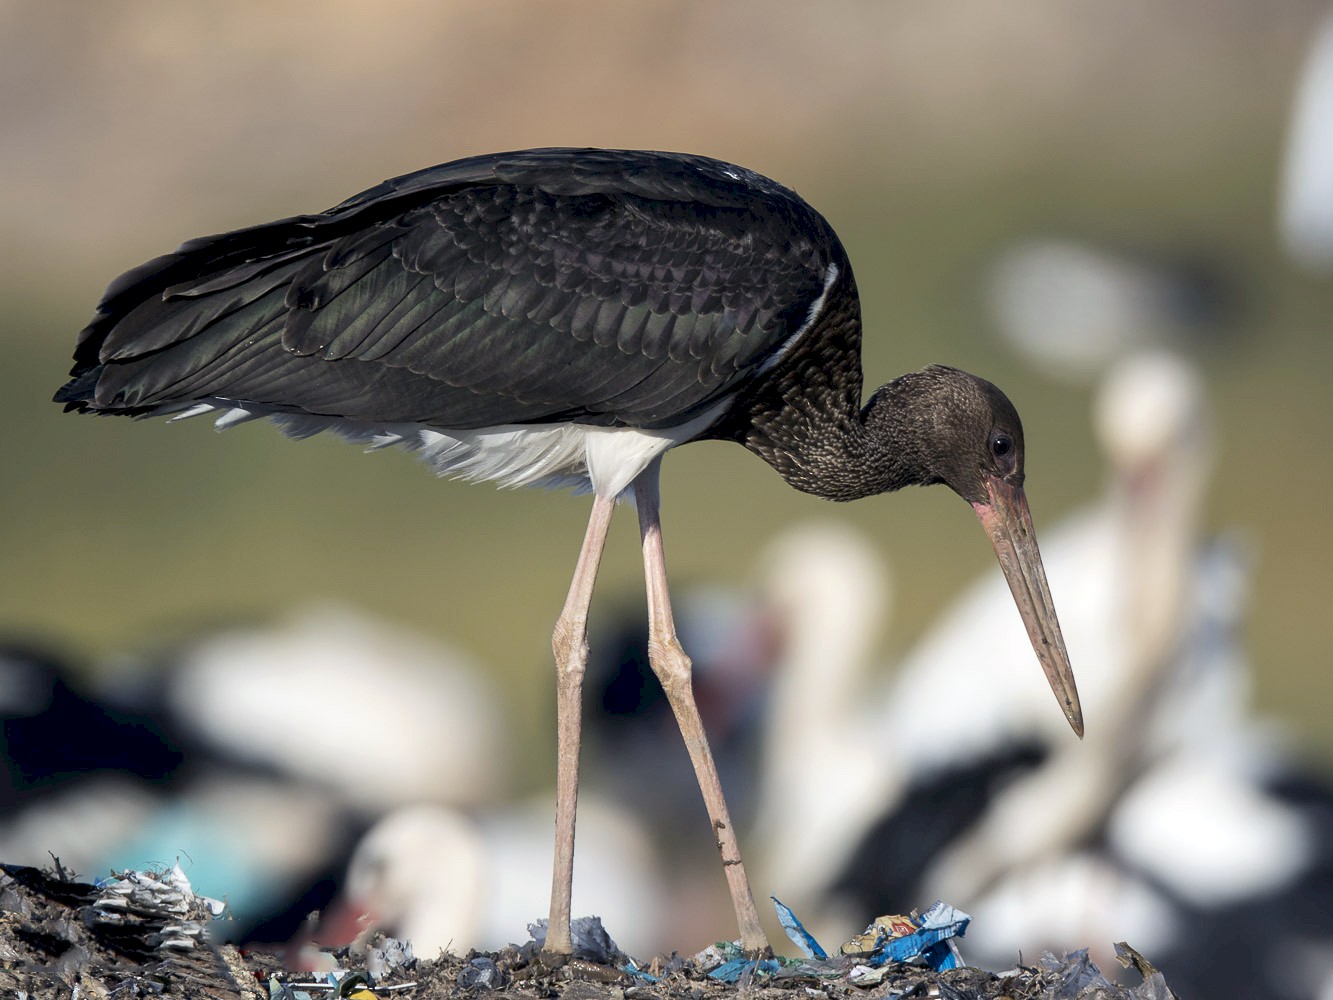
x: 1001, y: 445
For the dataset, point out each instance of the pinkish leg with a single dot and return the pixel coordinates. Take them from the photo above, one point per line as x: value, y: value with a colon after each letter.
x: 570, y: 643
x: 673, y: 669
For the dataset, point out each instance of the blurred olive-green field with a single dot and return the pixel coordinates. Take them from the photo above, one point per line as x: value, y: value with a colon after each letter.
x: 930, y: 135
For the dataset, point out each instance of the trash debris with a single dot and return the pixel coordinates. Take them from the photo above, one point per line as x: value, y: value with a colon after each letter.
x: 340, y: 985
x: 734, y: 969
x: 128, y: 896
x: 278, y: 990
x: 380, y: 954
x: 480, y: 973
x: 894, y: 938
x: 1072, y: 974
x: 901, y: 938
x: 117, y: 939
x: 1077, y: 976
x: 1154, y: 983
x: 800, y: 937
x: 890, y: 939
x: 633, y: 969
x: 591, y: 941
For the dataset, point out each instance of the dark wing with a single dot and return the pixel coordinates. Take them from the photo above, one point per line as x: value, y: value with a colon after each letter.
x: 600, y: 286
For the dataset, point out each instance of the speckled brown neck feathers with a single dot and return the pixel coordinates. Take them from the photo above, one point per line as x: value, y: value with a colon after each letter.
x: 806, y: 419
x: 803, y: 418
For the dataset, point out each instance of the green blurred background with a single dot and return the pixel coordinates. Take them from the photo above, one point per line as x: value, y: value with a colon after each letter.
x: 928, y: 134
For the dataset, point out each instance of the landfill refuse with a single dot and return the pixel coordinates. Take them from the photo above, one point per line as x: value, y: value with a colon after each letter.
x: 147, y: 934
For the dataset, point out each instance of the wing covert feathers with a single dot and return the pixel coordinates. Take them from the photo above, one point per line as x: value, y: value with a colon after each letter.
x: 597, y: 286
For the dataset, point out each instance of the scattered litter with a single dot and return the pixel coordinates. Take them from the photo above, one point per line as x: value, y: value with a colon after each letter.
x: 800, y: 937
x: 119, y: 939
x: 734, y: 969
x: 1072, y: 974
x: 334, y: 986
x: 1129, y: 958
x: 278, y: 990
x: 480, y: 973
x: 129, y: 896
x: 1154, y: 985
x: 1076, y: 976
x: 632, y: 968
x: 1154, y: 988
x: 901, y: 938
x: 862, y: 960
x: 591, y: 941
x: 715, y: 954
x: 381, y: 954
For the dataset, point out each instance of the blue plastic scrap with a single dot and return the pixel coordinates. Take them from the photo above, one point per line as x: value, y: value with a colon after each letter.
x: 726, y: 962
x: 800, y: 937
x: 928, y: 936
x: 932, y: 942
x: 731, y: 972
x: 632, y: 969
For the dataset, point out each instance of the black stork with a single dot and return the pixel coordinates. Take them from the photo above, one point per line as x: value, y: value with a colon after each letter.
x: 563, y: 317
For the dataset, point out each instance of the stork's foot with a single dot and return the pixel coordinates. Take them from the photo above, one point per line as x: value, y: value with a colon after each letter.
x: 552, y: 961
x: 563, y: 966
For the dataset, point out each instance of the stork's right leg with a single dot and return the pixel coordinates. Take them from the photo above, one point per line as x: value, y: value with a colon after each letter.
x: 570, y: 643
x: 674, y: 670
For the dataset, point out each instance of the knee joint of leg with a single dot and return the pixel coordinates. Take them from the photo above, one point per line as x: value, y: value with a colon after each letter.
x: 569, y: 642
x: 669, y: 658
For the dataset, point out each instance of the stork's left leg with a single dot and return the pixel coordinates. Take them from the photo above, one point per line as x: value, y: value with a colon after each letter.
x: 570, y: 645
x: 673, y: 669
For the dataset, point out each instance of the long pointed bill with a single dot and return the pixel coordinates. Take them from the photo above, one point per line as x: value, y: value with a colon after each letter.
x: 1008, y: 521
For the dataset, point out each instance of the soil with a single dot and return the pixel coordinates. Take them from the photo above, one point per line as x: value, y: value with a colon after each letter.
x: 62, y: 939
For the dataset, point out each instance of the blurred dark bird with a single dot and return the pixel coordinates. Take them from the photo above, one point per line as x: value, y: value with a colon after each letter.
x: 564, y: 317
x: 81, y: 771
x: 105, y: 776
x: 633, y: 753
x: 56, y: 730
x: 635, y: 750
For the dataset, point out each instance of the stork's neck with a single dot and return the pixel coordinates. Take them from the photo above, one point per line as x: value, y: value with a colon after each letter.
x: 805, y: 418
x: 821, y: 443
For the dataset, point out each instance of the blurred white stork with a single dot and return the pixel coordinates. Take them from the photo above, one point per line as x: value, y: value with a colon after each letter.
x: 1071, y: 308
x: 1175, y: 811
x: 445, y: 879
x: 1305, y: 199
x: 335, y: 697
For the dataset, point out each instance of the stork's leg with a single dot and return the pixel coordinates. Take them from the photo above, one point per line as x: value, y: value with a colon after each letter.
x: 570, y: 643
x: 673, y: 669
